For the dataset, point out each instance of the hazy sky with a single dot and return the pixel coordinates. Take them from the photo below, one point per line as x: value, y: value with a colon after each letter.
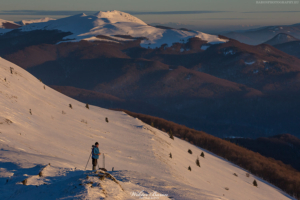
x: 205, y: 15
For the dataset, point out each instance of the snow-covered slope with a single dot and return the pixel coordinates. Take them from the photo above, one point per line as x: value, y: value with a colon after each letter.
x: 112, y: 23
x: 33, y: 21
x: 3, y: 30
x: 37, y: 127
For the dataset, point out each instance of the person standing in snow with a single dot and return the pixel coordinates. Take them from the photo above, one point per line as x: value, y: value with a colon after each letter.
x: 95, y: 155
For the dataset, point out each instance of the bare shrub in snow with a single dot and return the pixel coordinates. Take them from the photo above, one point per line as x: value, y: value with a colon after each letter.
x: 70, y: 105
x: 171, y: 134
x: 255, y: 183
x: 202, y: 155
x: 198, y: 162
x: 106, y: 119
x: 7, y: 121
x: 101, y: 177
x: 25, y: 181
x: 87, y: 106
x: 190, y: 151
x: 190, y: 168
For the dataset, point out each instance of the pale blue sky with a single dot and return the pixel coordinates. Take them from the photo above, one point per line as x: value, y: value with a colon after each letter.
x: 205, y: 15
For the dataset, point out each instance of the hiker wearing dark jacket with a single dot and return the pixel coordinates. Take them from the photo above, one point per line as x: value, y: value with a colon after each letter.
x: 95, y: 155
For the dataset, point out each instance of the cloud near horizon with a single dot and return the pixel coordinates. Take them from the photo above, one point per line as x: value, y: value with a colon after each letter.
x: 68, y: 12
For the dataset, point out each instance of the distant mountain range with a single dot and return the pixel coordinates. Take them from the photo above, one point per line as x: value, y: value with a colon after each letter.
x: 114, y: 25
x: 263, y: 34
x: 4, y: 24
x: 286, y: 43
x: 115, y: 60
x: 281, y: 38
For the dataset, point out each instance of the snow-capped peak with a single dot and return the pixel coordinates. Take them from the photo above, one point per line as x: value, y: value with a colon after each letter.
x: 112, y: 23
x: 281, y: 38
x: 118, y: 16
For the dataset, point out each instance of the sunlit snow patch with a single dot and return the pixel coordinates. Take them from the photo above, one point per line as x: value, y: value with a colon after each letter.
x: 249, y: 63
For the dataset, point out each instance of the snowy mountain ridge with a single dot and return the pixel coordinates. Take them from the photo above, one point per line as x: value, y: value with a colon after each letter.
x: 117, y: 23
x: 32, y: 21
x: 281, y: 38
x: 6, y: 26
x: 118, y: 16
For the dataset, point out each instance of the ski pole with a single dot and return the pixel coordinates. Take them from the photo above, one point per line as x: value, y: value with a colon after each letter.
x: 88, y: 161
x: 103, y: 161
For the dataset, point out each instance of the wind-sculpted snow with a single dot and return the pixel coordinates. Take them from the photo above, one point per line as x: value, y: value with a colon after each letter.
x: 32, y: 21
x: 113, y: 23
x: 39, y: 125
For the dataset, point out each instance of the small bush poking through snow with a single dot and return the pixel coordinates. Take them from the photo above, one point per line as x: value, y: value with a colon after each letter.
x: 226, y: 188
x: 70, y: 105
x: 235, y: 174
x: 25, y: 181
x: 198, y: 162
x: 87, y: 106
x: 171, y: 135
x: 190, y: 151
x: 247, y: 175
x: 255, y: 183
x: 170, y: 155
x: 190, y: 168
x: 84, y: 121
x: 6, y: 121
x: 30, y: 111
x: 202, y: 155
x: 40, y: 174
x: 106, y: 119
